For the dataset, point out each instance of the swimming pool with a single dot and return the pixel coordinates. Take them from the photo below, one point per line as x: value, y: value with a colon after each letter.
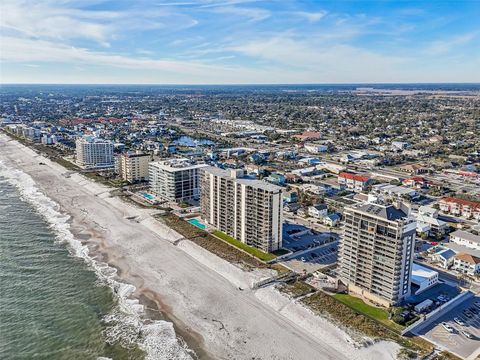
x: 197, y: 223
x: 148, y: 196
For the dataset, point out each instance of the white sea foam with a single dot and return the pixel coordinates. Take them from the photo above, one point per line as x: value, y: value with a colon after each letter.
x: 126, y: 323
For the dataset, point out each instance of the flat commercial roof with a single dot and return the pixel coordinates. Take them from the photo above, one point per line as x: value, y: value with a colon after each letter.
x: 421, y: 273
x: 174, y: 165
x: 226, y: 174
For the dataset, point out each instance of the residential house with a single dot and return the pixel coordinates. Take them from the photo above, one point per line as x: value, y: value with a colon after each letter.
x: 466, y: 263
x: 315, y: 148
x: 429, y: 223
x: 413, y: 169
x: 291, y: 207
x: 277, y: 179
x: 444, y: 257
x: 291, y: 178
x: 318, y: 211
x: 290, y: 197
x: 331, y: 219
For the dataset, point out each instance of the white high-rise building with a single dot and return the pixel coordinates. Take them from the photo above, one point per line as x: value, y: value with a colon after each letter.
x: 175, y: 179
x: 376, y: 252
x: 248, y: 210
x: 94, y: 153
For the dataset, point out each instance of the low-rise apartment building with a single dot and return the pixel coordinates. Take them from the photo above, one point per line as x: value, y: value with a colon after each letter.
x: 175, y: 179
x: 376, y: 252
x: 460, y: 207
x: 353, y: 181
x: 467, y: 264
x: 246, y: 209
x: 466, y: 238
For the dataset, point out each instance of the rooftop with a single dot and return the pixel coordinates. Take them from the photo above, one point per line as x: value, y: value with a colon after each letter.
x: 473, y: 204
x: 421, y: 273
x: 468, y: 258
x: 173, y: 165
x: 352, y: 176
x: 466, y: 236
x: 258, y: 184
x: 387, y: 212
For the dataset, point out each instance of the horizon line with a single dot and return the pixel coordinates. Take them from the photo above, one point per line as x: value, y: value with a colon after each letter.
x: 249, y: 84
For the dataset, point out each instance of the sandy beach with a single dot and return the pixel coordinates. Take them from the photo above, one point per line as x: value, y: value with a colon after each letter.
x: 191, y: 287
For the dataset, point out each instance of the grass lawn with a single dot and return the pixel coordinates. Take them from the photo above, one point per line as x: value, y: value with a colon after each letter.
x: 378, y: 314
x: 249, y: 249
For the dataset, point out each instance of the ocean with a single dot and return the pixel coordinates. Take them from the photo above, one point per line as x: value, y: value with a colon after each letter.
x: 55, y: 301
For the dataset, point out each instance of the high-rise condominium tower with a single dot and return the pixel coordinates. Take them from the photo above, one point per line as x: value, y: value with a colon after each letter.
x: 376, y: 251
x: 94, y: 153
x: 248, y: 210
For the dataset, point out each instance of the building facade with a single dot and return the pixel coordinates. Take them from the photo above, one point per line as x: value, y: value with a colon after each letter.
x: 175, y: 179
x: 354, y: 182
x: 133, y: 167
x: 376, y: 252
x: 466, y: 238
x: 467, y: 264
x: 460, y: 207
x: 94, y: 153
x: 248, y: 210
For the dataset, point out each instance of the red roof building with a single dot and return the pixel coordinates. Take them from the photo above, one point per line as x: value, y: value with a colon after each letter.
x: 308, y: 135
x: 461, y: 207
x: 353, y: 181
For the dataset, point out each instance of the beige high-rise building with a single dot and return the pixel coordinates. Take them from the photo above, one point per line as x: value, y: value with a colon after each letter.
x: 376, y: 252
x: 94, y: 153
x: 175, y: 179
x: 248, y: 210
x: 133, y: 167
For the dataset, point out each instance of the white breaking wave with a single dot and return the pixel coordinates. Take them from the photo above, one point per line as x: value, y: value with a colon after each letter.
x: 126, y: 323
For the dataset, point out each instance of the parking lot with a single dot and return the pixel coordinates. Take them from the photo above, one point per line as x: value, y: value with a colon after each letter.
x: 314, y: 259
x: 457, y: 342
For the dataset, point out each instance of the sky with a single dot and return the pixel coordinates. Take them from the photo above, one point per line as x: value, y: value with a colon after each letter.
x: 239, y: 41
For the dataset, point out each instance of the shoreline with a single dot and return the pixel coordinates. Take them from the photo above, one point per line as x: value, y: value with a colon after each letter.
x: 153, y: 308
x: 191, y: 288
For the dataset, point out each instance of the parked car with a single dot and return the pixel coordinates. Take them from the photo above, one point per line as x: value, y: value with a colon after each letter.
x: 459, y: 321
x: 448, y: 327
x: 467, y: 334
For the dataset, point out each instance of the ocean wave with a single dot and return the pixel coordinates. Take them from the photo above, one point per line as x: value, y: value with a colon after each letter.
x: 126, y: 323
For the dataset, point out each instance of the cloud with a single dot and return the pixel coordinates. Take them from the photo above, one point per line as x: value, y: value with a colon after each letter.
x: 253, y: 14
x: 338, y: 61
x: 15, y: 50
x: 440, y: 47
x: 43, y: 19
x: 61, y: 20
x: 311, y: 16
